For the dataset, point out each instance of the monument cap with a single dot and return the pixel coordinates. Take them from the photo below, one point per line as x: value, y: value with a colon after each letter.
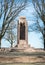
x: 22, y: 17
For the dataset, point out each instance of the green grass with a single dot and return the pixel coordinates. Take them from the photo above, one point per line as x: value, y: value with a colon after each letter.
x: 23, y: 64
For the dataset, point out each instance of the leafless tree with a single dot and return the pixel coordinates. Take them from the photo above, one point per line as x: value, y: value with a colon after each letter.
x: 9, y: 10
x: 10, y: 34
x: 39, y: 6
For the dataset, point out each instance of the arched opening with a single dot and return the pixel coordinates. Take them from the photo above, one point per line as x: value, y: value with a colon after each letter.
x: 22, y: 31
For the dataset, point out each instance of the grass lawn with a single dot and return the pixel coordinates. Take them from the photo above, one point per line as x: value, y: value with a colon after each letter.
x: 23, y: 64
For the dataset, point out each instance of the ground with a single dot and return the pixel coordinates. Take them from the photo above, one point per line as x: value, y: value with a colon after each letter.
x: 22, y: 58
x: 23, y: 64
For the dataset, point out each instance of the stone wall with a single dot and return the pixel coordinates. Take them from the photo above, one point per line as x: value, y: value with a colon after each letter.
x: 21, y: 59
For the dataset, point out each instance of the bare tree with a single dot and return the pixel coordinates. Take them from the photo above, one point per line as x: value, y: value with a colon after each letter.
x: 9, y: 10
x: 11, y: 37
x: 10, y: 34
x: 39, y: 6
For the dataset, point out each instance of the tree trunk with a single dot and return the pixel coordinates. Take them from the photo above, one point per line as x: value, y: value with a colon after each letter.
x: 44, y: 38
x: 44, y: 32
x: 11, y: 43
x: 0, y: 43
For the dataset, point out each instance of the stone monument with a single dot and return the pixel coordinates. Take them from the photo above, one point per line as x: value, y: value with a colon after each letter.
x: 22, y: 33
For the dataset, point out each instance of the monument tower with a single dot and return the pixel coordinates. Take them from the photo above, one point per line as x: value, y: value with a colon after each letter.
x: 22, y: 33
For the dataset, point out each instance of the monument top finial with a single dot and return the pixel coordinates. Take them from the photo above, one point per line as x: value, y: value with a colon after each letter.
x: 22, y: 19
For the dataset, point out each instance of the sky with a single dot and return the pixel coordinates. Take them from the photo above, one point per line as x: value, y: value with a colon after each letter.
x: 33, y: 37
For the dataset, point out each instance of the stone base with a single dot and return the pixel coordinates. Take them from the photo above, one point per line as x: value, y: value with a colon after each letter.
x: 22, y: 55
x: 22, y: 44
x: 17, y: 57
x: 22, y: 59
